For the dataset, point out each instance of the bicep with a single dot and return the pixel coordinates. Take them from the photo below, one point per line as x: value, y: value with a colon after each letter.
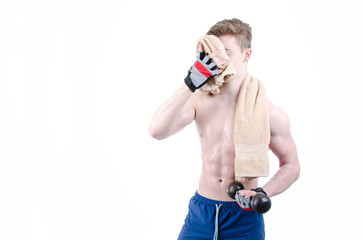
x: 284, y: 148
x: 187, y: 115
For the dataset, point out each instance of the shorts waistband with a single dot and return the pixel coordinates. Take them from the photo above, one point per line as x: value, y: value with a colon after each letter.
x: 211, y: 202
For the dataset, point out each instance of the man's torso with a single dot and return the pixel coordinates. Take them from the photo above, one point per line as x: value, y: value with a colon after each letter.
x: 215, y: 125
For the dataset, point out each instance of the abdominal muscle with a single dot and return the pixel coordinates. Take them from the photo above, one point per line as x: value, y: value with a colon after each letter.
x: 217, y: 173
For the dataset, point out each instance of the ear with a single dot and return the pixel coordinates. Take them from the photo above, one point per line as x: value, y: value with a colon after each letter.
x: 246, y: 54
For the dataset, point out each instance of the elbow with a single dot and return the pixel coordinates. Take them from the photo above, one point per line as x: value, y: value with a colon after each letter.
x: 154, y: 133
x: 296, y: 172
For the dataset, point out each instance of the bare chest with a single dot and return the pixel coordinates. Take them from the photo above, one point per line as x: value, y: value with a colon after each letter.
x: 215, y: 125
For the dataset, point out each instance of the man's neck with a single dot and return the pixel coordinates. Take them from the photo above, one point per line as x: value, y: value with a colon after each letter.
x: 231, y: 87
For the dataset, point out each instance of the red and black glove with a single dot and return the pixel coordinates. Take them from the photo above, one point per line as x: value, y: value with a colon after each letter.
x: 201, y: 72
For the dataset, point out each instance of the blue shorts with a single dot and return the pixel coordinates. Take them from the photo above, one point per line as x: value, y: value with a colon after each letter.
x: 209, y: 219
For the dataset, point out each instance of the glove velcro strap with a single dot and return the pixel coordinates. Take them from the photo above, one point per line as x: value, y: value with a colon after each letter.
x: 189, y: 83
x: 259, y: 190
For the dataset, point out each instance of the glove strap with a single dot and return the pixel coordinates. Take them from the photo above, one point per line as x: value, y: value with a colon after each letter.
x: 189, y: 83
x: 259, y: 190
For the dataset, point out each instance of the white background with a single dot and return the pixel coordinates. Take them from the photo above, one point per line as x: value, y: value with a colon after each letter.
x: 79, y: 81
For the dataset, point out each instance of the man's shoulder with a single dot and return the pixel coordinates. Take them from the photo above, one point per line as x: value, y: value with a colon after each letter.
x: 274, y: 110
x: 279, y: 120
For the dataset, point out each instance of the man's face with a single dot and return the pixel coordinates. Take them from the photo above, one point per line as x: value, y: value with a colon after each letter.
x: 238, y: 57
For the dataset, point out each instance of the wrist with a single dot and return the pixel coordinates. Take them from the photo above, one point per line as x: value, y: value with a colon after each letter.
x: 185, y: 90
x: 259, y: 190
x: 190, y: 84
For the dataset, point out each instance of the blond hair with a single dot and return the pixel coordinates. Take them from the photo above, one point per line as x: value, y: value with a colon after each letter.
x: 241, y: 30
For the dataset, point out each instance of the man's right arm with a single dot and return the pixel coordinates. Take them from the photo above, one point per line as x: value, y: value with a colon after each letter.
x: 173, y: 115
x: 179, y: 111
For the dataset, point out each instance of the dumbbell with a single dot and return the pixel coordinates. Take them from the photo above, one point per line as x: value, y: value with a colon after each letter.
x: 260, y: 203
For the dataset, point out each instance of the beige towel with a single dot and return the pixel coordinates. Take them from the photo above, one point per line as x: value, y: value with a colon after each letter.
x: 210, y: 43
x: 251, y: 131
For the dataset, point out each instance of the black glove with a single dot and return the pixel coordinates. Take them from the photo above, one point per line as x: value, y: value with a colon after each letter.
x: 203, y: 69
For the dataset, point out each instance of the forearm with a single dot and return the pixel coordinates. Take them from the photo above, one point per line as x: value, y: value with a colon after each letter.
x: 283, y: 179
x: 168, y: 118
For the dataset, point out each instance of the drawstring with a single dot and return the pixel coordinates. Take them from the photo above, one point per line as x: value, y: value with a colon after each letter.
x: 216, y: 234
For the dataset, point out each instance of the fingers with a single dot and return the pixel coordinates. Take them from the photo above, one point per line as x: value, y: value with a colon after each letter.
x: 215, y: 53
x: 212, y: 54
x: 247, y: 193
x: 199, y: 48
x: 219, y: 63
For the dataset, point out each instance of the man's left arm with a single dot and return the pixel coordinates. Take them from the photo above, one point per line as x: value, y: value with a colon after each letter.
x: 283, y: 146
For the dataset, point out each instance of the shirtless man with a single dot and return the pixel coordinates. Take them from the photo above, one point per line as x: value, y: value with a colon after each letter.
x: 212, y: 213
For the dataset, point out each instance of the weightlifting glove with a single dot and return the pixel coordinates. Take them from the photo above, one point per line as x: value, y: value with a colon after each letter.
x: 245, y: 203
x: 201, y: 72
